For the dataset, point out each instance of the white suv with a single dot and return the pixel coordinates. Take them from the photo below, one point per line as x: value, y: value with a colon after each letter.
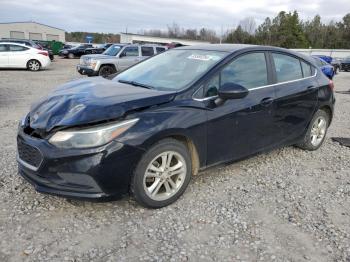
x: 116, y: 58
x: 14, y: 55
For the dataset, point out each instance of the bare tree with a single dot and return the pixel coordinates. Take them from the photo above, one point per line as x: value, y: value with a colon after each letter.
x: 248, y: 25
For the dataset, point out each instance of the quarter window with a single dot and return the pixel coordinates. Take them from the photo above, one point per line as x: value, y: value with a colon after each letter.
x: 160, y: 49
x: 147, y: 51
x: 306, y: 69
x: 287, y: 67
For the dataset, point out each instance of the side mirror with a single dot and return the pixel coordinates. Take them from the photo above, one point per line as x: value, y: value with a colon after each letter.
x: 232, y: 91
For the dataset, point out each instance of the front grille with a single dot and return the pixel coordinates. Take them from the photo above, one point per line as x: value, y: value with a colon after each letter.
x: 28, y: 154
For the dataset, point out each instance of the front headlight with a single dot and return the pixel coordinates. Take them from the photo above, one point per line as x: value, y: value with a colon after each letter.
x: 93, y: 63
x: 90, y: 137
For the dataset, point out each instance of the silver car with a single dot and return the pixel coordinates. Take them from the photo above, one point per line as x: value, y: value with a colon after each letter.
x: 116, y: 58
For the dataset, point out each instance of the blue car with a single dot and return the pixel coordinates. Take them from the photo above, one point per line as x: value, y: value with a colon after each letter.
x: 150, y: 128
x: 326, y: 68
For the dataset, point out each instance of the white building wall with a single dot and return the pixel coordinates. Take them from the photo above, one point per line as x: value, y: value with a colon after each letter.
x: 31, y: 29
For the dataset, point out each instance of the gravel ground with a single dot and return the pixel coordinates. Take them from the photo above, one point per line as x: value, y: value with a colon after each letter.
x: 286, y: 205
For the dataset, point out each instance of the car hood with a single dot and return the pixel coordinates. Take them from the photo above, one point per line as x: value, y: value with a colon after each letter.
x: 97, y: 56
x: 91, y: 100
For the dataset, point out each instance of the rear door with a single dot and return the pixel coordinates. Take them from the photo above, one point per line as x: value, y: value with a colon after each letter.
x: 128, y: 57
x: 296, y: 95
x: 4, y: 55
x: 18, y: 56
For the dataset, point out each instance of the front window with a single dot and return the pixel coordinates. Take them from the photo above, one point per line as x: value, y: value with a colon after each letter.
x: 172, y: 70
x: 131, y: 51
x: 113, y: 50
x: 249, y: 71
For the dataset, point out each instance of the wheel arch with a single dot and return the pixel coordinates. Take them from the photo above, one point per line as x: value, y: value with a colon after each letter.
x: 187, y: 140
x: 329, y: 112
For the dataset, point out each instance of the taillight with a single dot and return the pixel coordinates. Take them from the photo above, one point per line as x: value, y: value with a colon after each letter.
x: 331, y: 85
x: 43, y: 53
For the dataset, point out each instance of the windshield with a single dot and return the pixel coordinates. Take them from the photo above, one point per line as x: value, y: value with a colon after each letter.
x: 172, y: 70
x: 112, y: 50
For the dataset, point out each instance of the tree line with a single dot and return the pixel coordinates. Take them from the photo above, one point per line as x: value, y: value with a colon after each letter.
x: 285, y: 30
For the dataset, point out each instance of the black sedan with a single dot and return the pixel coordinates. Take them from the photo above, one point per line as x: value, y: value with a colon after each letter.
x: 97, y: 50
x: 76, y: 51
x: 345, y: 64
x: 155, y: 125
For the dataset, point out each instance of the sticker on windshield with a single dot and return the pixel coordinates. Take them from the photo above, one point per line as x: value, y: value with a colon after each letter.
x: 203, y: 57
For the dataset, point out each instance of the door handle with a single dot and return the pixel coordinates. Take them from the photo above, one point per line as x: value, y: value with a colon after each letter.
x: 266, y: 101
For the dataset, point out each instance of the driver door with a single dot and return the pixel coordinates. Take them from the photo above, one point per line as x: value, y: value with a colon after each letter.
x: 240, y: 127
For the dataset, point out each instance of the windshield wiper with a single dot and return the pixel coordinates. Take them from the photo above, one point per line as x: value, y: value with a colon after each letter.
x: 134, y: 83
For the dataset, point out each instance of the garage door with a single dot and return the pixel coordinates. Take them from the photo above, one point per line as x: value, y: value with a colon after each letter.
x: 17, y: 34
x: 52, y: 37
x: 35, y: 36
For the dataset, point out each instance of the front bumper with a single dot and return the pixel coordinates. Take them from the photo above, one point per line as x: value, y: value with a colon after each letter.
x: 89, y: 173
x: 83, y: 70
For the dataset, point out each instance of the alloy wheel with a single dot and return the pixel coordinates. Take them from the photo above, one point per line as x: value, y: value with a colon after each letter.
x: 318, y: 131
x: 165, y: 176
x: 34, y: 65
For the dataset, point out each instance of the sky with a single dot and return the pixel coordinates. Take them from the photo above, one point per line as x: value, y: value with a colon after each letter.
x: 114, y: 16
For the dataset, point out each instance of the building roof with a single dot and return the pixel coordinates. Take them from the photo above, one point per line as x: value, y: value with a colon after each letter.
x: 32, y: 22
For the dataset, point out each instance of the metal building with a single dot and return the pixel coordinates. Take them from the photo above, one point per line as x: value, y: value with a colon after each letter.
x: 136, y: 38
x: 31, y: 30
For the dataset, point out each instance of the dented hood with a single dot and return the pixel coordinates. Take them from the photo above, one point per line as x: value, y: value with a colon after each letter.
x: 91, y: 100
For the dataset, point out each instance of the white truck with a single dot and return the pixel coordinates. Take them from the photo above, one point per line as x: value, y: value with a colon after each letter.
x: 116, y: 58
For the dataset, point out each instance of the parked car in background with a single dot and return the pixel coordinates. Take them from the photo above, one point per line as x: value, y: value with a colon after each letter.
x: 97, y: 50
x: 45, y: 46
x: 76, y: 51
x: 326, y: 68
x: 116, y: 58
x: 336, y: 63
x: 30, y: 43
x: 326, y: 58
x: 14, y: 55
x: 155, y: 125
x: 345, y: 64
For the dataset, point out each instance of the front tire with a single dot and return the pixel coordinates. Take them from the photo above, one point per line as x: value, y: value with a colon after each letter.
x: 33, y: 65
x: 162, y: 175
x: 106, y: 70
x: 71, y: 56
x: 316, y: 133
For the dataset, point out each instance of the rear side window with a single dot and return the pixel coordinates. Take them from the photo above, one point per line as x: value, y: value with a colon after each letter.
x: 287, y: 67
x: 248, y: 70
x: 3, y: 48
x: 307, y: 70
x: 160, y: 49
x: 17, y: 48
x: 147, y: 51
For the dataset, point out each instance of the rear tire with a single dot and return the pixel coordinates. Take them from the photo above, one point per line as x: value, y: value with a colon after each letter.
x: 33, y: 65
x: 162, y: 175
x: 106, y: 70
x: 316, y: 133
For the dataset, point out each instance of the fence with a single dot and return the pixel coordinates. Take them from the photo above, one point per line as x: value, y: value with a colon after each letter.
x: 336, y: 53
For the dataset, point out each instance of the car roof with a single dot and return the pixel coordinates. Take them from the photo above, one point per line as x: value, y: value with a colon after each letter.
x: 230, y: 48
x: 13, y: 43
